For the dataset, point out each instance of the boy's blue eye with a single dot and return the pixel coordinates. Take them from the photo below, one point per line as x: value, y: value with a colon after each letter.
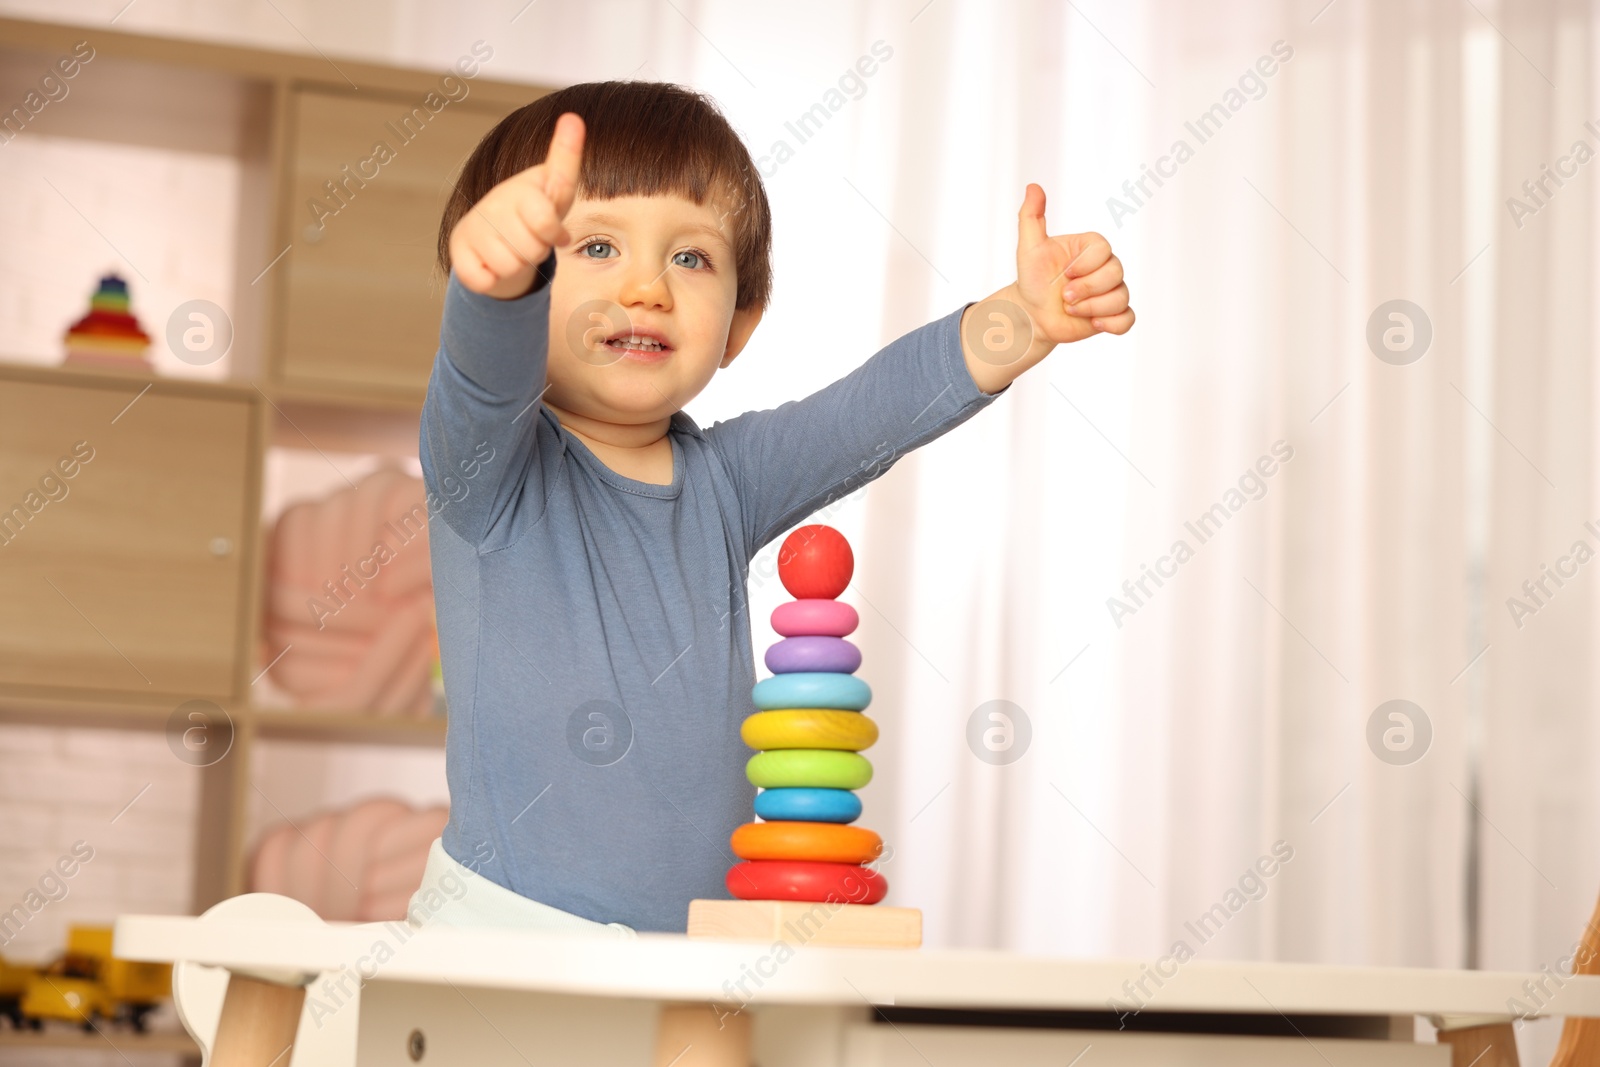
x: 696, y: 258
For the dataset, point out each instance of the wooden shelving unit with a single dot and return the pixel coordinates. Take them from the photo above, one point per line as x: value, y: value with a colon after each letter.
x: 127, y: 1044
x: 346, y: 727
x: 334, y: 334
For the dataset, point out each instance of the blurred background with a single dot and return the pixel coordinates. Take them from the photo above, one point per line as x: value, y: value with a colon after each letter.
x: 1299, y: 564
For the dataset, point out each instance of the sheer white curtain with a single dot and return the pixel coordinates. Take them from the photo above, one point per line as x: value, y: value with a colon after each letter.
x: 1233, y: 707
x: 1540, y: 862
x: 1179, y: 737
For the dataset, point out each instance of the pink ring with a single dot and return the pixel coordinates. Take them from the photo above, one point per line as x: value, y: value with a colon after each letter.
x: 814, y: 618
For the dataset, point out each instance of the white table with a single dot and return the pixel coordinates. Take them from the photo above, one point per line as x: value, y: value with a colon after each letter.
x: 493, y: 997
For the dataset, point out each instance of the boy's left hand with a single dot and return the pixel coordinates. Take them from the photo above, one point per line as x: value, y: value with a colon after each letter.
x: 1071, y: 285
x: 1067, y: 288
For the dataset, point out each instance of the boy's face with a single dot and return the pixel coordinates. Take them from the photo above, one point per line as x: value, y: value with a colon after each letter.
x: 656, y: 267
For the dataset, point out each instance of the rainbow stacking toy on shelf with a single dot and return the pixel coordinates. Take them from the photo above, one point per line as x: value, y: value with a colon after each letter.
x: 109, y: 335
x: 806, y: 873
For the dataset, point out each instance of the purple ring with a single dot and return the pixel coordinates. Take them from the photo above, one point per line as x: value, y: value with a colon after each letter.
x: 832, y: 655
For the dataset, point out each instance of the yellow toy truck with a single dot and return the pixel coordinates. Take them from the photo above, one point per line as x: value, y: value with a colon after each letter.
x: 14, y: 978
x: 86, y: 982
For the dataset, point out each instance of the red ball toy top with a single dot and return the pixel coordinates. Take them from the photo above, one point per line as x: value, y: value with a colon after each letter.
x: 815, y: 563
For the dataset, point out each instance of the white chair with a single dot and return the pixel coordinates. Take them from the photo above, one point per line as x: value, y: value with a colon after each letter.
x: 200, y: 991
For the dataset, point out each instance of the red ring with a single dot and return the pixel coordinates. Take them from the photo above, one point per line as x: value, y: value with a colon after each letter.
x: 845, y: 883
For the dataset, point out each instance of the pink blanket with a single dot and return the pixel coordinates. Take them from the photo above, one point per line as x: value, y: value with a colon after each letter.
x: 350, y: 593
x: 360, y: 864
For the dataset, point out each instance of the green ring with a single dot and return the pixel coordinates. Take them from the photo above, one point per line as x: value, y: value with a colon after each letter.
x: 817, y: 767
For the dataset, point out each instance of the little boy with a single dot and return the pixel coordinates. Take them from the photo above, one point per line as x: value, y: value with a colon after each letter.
x: 608, y: 250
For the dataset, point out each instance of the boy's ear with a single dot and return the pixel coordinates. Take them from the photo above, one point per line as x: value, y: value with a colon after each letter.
x: 739, y: 331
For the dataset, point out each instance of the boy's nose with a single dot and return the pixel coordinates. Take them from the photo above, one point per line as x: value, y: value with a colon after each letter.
x: 646, y: 284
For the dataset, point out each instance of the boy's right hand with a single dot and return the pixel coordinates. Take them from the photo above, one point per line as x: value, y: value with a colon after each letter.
x: 500, y: 242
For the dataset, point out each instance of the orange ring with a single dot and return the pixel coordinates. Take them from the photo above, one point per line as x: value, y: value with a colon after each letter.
x: 825, y: 842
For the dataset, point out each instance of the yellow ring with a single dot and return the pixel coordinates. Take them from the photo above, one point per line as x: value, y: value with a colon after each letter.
x: 849, y: 731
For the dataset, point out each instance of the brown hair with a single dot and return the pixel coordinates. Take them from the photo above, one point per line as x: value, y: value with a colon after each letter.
x: 641, y: 139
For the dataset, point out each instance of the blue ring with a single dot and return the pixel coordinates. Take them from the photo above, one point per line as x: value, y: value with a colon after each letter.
x: 808, y: 804
x: 812, y: 689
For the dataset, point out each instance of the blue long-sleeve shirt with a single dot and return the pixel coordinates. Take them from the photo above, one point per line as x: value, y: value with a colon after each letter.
x: 595, y: 643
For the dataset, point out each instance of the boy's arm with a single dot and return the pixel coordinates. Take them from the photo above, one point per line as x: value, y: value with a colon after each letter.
x: 480, y: 418
x: 790, y: 460
x: 481, y: 413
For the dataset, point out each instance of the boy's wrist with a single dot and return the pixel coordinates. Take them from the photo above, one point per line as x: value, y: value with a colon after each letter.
x: 489, y: 308
x: 511, y: 290
x: 1000, y: 339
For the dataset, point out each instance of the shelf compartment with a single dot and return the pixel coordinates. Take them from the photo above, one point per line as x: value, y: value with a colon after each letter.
x: 131, y: 574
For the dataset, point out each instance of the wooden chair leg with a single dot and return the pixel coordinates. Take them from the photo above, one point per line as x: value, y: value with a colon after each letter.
x: 1580, y: 1038
x: 1494, y: 1045
x: 258, y: 1023
x: 699, y: 1034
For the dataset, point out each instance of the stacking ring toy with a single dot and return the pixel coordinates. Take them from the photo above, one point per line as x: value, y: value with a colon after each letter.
x: 811, y: 653
x: 823, y: 841
x: 814, y: 618
x: 845, y: 883
x: 808, y: 805
x: 808, y: 767
x: 809, y: 728
x: 811, y: 689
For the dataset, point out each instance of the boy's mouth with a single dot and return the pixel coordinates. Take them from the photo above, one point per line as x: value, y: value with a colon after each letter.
x: 639, y: 344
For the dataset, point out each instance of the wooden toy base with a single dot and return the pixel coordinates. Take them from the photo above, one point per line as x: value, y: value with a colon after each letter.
x: 800, y: 922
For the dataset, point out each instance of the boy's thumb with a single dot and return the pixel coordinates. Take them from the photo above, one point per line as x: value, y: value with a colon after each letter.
x: 1030, y: 219
x: 564, y: 160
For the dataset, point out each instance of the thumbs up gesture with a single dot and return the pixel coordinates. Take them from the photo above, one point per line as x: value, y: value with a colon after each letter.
x: 500, y: 242
x: 1067, y: 288
x: 1071, y: 285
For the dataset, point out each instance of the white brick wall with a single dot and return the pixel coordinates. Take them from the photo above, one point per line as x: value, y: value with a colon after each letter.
x: 61, y: 785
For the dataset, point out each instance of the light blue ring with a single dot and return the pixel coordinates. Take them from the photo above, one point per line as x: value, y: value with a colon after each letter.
x: 812, y: 689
